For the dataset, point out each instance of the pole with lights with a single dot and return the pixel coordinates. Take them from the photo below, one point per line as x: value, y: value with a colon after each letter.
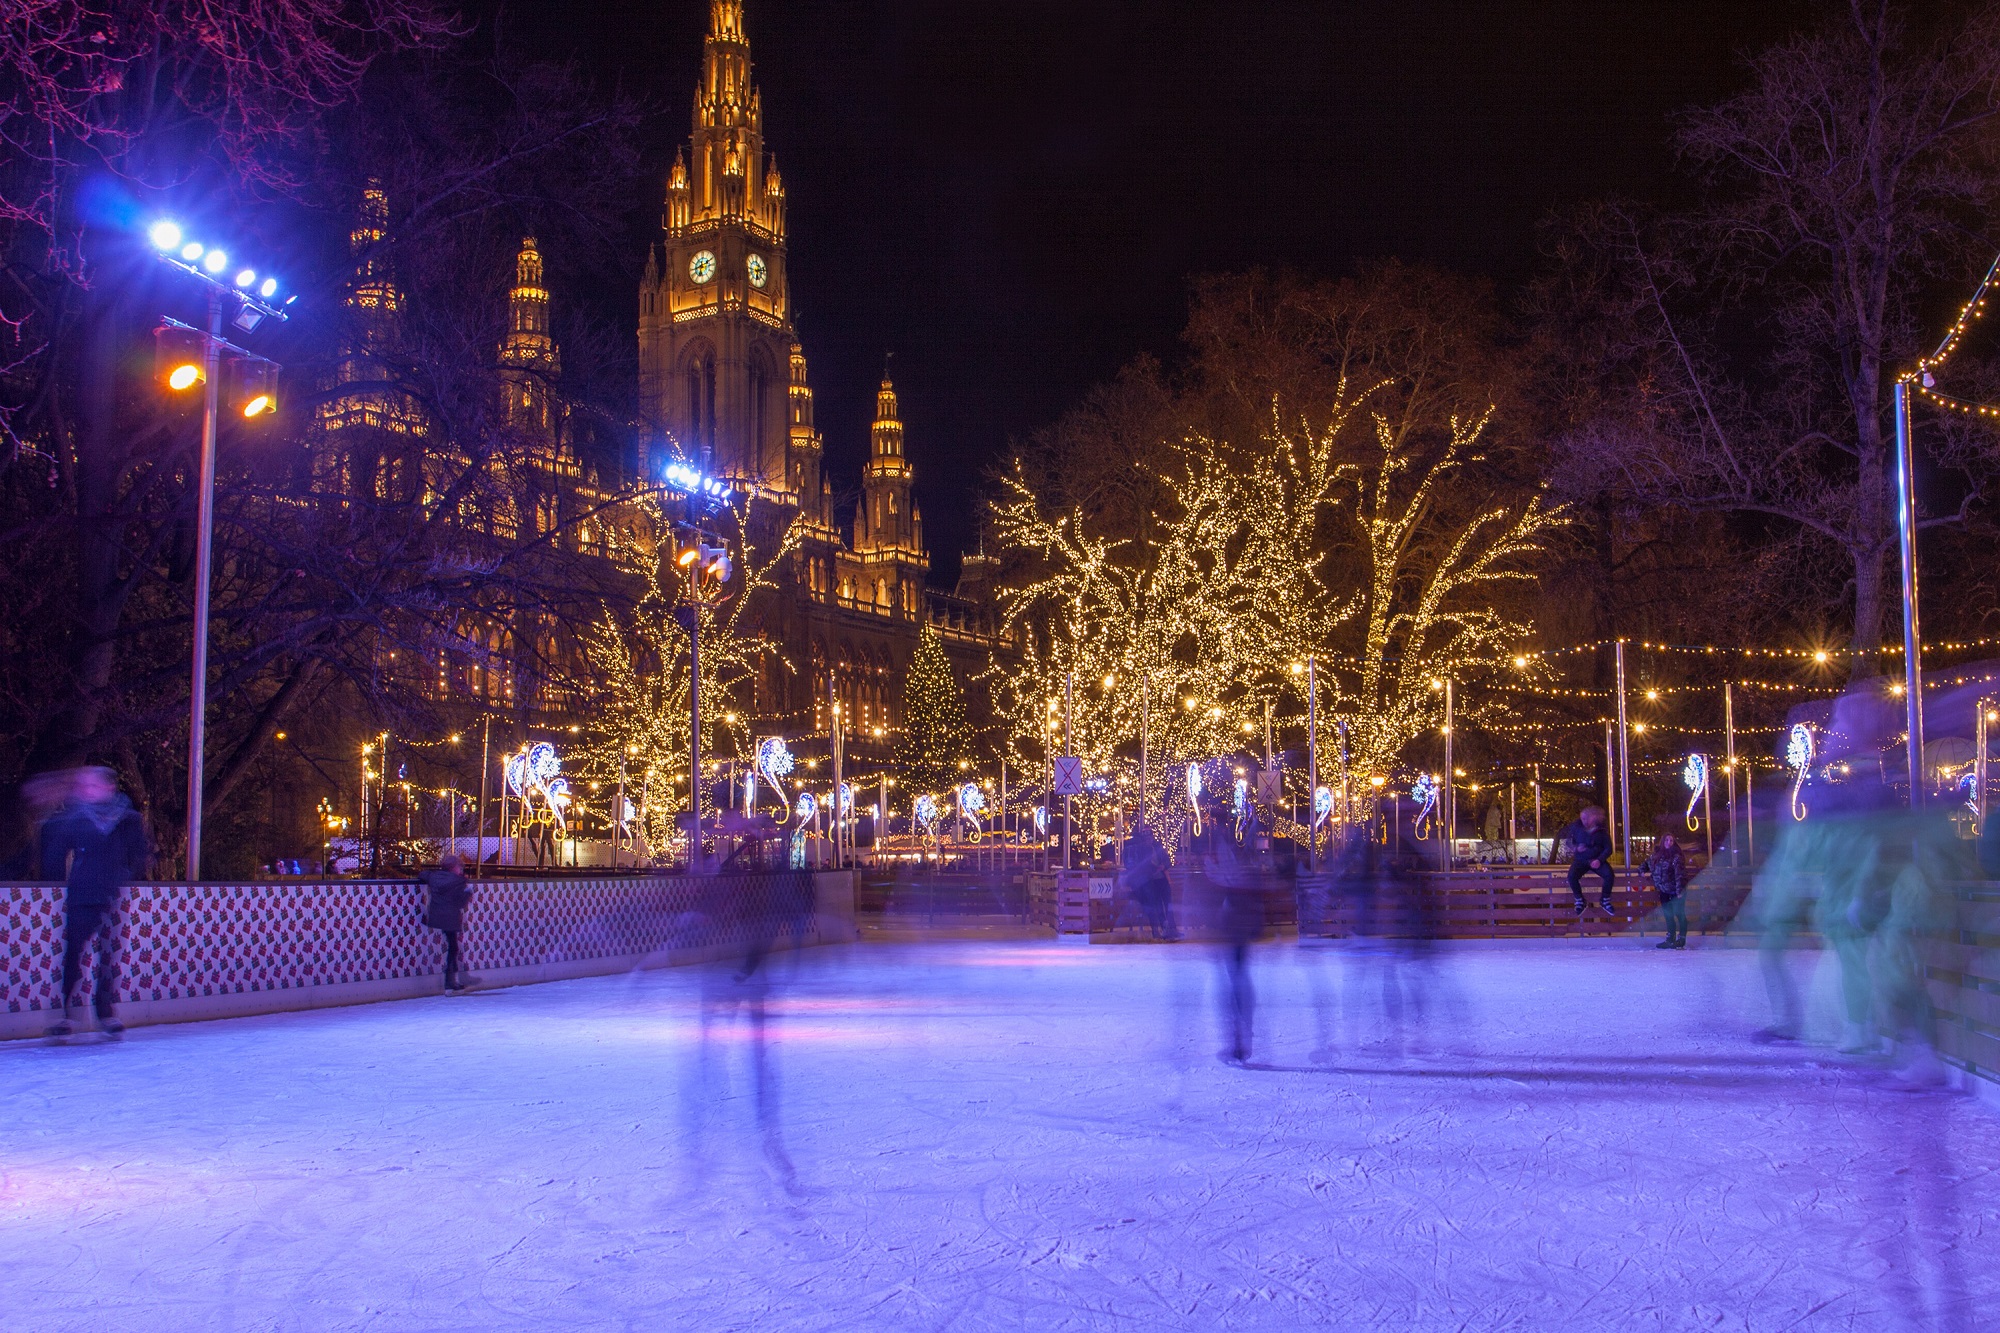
x: 188, y: 356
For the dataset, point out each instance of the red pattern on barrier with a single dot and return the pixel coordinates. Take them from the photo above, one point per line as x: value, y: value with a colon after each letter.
x: 178, y: 941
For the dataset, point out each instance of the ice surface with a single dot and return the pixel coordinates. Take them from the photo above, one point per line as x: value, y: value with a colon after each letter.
x: 1025, y: 1135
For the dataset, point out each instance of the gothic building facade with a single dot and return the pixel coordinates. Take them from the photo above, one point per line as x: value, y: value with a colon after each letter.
x: 723, y: 381
x: 724, y: 386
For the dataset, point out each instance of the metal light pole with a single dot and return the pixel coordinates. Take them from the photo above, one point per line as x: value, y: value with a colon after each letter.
x: 1450, y: 780
x: 1611, y: 780
x: 1312, y: 763
x: 1913, y: 664
x: 1729, y: 739
x: 1624, y: 761
x: 1069, y: 748
x: 251, y: 311
x: 485, y: 767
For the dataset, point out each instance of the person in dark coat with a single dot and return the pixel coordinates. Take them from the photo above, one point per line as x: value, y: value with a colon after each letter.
x: 1590, y: 854
x: 1668, y: 869
x: 1238, y: 912
x: 445, y: 911
x: 96, y: 845
x: 1145, y: 874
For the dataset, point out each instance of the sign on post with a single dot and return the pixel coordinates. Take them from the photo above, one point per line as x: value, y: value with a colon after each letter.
x: 1270, y: 786
x: 1069, y: 775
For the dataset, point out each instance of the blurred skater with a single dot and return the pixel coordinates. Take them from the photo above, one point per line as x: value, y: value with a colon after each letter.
x: 96, y: 846
x: 444, y: 911
x: 1238, y: 915
x: 1667, y: 867
x: 1145, y: 876
x: 1590, y: 854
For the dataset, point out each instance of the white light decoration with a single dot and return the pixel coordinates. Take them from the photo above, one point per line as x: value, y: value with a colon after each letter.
x: 535, y: 777
x: 1194, y: 795
x: 268, y: 289
x: 972, y: 807
x: 246, y: 277
x: 774, y: 761
x: 191, y: 251
x: 1042, y: 820
x: 1695, y: 775
x: 1799, y: 754
x: 1239, y: 804
x: 926, y: 812
x: 1424, y: 791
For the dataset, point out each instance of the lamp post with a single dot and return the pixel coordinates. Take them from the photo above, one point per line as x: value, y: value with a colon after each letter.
x: 174, y: 341
x: 1913, y: 658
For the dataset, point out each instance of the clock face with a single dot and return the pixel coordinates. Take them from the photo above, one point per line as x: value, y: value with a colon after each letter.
x: 702, y: 267
x: 759, y: 273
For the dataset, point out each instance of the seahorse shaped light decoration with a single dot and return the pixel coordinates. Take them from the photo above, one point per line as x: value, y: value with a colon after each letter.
x: 774, y: 760
x: 1799, y: 754
x: 926, y: 812
x: 536, y: 776
x: 1042, y: 820
x: 972, y: 808
x: 806, y: 808
x: 1424, y: 791
x: 1322, y: 810
x: 1194, y: 795
x: 1239, y: 805
x: 1695, y: 775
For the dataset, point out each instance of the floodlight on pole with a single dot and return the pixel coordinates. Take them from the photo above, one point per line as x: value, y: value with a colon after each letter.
x: 187, y: 356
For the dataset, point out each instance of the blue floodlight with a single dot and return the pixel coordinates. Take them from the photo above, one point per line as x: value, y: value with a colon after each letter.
x: 191, y: 251
x: 165, y: 235
x: 269, y: 289
x: 215, y: 261
x: 246, y: 277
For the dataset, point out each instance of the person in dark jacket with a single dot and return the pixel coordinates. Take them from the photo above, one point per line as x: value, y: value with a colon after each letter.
x: 1590, y: 854
x: 1237, y: 912
x: 1145, y: 875
x: 445, y: 912
x: 96, y: 845
x: 1668, y: 869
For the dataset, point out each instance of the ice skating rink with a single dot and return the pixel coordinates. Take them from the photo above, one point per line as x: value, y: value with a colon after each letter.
x: 1005, y: 1135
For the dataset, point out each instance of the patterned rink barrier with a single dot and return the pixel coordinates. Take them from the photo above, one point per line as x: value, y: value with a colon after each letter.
x: 191, y: 951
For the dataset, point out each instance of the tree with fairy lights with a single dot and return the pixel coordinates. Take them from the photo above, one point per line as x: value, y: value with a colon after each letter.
x: 1367, y: 518
x: 936, y: 736
x: 640, y: 652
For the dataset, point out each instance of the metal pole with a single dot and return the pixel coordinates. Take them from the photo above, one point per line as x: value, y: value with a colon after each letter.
x: 697, y: 862
x: 618, y: 814
x: 1708, y: 815
x: 1729, y: 738
x: 1069, y: 748
x: 1513, y: 829
x: 485, y: 765
x: 1610, y: 781
x: 839, y: 771
x: 1450, y: 780
x: 204, y: 529
x: 1913, y: 659
x: 1145, y: 738
x: 1312, y: 762
x: 1538, y: 813
x: 1624, y: 761
x: 1979, y: 765
x: 1342, y: 725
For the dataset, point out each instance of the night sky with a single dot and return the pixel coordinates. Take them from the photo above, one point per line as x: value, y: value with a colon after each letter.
x: 1011, y: 196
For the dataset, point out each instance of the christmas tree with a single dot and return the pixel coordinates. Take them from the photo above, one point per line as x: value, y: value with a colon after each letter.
x: 935, y: 733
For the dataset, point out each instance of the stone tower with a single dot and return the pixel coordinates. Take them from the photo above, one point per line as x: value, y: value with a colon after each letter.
x: 719, y: 367
x: 888, y: 530
x: 529, y: 350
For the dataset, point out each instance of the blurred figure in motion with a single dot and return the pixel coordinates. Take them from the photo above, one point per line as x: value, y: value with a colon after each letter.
x: 1394, y: 947
x: 95, y: 844
x: 1590, y: 854
x: 1237, y: 915
x: 1145, y: 876
x: 1667, y: 867
x: 444, y: 911
x: 752, y: 919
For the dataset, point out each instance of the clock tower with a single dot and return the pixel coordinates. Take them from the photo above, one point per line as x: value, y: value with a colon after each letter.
x: 719, y: 367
